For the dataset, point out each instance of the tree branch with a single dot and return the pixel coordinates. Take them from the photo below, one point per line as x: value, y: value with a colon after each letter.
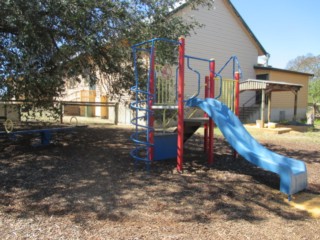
x: 9, y: 29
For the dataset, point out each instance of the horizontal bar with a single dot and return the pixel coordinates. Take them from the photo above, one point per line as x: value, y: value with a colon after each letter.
x: 164, y: 106
x: 200, y: 59
x: 200, y: 119
x: 109, y: 104
x: 156, y: 39
x: 62, y: 102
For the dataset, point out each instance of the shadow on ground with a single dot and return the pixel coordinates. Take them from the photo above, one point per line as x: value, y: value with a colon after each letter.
x: 89, y: 175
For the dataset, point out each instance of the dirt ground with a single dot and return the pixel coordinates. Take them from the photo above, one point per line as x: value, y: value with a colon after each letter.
x: 85, y: 186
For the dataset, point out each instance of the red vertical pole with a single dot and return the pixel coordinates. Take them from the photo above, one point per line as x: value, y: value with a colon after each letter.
x: 237, y: 90
x: 236, y: 102
x: 180, y: 105
x: 211, y: 125
x: 206, y: 95
x: 150, y: 103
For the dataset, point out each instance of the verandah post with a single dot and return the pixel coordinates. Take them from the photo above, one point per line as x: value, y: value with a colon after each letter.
x: 180, y: 105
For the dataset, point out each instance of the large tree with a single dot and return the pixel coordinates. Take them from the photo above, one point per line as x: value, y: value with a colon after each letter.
x: 309, y: 64
x: 44, y: 43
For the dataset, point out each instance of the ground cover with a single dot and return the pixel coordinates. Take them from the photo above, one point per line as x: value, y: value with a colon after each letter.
x: 85, y: 186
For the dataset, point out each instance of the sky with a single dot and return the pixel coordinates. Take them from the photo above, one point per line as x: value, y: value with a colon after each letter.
x: 285, y: 28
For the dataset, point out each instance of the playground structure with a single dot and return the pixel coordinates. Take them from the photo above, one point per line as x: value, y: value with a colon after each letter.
x: 46, y: 134
x: 150, y: 97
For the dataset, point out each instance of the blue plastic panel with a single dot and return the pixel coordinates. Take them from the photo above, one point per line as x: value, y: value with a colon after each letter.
x: 165, y: 146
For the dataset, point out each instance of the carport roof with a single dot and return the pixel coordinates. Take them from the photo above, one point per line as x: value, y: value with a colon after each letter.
x: 269, y: 86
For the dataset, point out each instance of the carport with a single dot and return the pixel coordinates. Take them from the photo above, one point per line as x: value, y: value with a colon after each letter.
x: 267, y: 87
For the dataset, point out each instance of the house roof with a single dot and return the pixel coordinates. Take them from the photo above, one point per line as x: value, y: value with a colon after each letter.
x: 261, y: 49
x: 281, y: 70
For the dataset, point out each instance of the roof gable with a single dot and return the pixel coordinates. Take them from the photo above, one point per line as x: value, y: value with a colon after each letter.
x: 245, y: 27
x: 240, y: 20
x: 269, y: 68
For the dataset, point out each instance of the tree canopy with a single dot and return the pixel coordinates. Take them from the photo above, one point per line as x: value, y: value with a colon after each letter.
x: 306, y: 63
x: 310, y: 64
x: 44, y: 43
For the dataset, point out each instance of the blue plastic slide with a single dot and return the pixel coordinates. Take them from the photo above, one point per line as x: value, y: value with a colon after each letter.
x: 293, y: 173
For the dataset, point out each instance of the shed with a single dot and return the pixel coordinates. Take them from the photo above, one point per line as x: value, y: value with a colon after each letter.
x: 267, y: 87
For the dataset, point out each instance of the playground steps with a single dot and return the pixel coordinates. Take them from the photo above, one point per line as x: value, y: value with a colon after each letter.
x: 165, y: 144
x: 191, y: 125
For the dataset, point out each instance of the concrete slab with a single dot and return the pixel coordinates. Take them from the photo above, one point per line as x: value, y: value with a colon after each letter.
x: 277, y: 130
x: 280, y: 129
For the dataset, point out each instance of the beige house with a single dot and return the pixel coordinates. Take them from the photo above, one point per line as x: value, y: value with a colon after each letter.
x: 82, y: 100
x: 226, y: 34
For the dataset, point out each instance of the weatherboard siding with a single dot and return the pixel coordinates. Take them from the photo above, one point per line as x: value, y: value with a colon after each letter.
x: 286, y: 99
x: 220, y: 38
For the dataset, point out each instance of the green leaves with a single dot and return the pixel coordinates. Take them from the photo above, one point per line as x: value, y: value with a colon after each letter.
x: 314, y: 91
x: 45, y: 43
